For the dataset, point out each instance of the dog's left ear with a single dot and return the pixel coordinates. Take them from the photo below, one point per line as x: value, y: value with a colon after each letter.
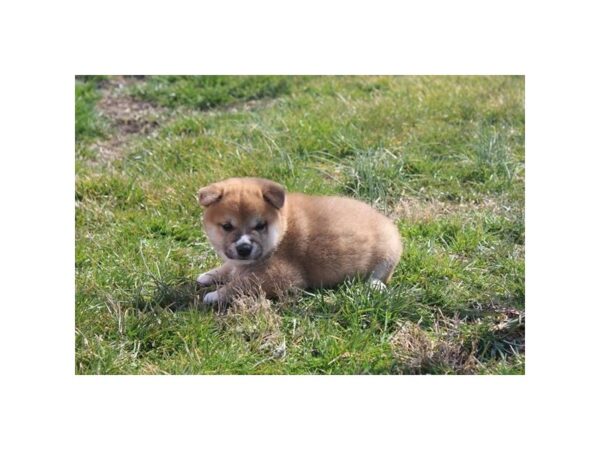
x: 209, y: 195
x: 274, y: 194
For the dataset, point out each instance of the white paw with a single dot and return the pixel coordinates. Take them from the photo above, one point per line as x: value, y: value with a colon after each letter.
x: 378, y: 285
x: 211, y: 297
x: 205, y: 279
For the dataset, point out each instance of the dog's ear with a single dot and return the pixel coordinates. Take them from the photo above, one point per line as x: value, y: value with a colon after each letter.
x: 274, y: 193
x: 209, y: 195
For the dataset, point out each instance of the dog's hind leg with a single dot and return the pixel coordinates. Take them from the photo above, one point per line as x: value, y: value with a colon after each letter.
x: 382, y: 274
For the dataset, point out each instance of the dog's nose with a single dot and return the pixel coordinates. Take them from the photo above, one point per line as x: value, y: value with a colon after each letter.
x: 244, y: 249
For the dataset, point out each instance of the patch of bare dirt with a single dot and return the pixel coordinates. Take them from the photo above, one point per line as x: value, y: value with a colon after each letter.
x: 127, y: 117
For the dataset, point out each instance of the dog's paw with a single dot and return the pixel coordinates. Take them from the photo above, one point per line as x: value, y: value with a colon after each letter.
x: 378, y: 285
x: 205, y: 279
x: 211, y: 298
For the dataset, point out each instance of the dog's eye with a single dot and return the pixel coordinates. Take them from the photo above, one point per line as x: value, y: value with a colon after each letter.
x: 227, y: 226
x: 260, y: 226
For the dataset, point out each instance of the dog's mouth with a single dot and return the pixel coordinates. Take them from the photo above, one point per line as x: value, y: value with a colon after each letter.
x: 254, y: 254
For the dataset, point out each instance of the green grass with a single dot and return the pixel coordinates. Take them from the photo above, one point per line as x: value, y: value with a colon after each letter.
x: 87, y: 123
x: 205, y: 92
x: 443, y: 156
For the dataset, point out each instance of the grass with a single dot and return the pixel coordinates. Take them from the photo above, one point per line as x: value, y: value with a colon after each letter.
x: 87, y: 123
x: 205, y: 92
x: 442, y: 156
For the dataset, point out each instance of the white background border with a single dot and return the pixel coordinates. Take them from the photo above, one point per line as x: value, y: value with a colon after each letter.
x: 46, y: 43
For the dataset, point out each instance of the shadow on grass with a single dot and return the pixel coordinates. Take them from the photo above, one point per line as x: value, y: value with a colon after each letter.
x: 174, y: 295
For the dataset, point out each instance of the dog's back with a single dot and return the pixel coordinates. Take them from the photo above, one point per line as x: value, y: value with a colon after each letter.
x: 334, y: 238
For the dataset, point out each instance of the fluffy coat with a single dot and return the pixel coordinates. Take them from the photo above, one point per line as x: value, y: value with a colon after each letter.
x: 276, y: 241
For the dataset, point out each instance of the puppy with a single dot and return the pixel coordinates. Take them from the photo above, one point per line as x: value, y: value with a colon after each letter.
x: 275, y: 241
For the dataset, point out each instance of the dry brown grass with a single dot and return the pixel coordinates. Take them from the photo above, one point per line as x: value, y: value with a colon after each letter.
x: 253, y: 318
x: 458, y: 345
x: 413, y: 209
x: 442, y: 350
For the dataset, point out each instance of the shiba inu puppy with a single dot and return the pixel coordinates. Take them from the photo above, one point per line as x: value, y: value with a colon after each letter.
x: 275, y: 241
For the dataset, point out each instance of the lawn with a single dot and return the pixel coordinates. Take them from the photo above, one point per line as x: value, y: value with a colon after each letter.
x: 442, y: 156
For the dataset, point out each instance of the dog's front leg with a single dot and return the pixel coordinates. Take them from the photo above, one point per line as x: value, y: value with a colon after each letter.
x: 219, y: 275
x: 270, y: 280
x: 238, y: 286
x: 211, y: 298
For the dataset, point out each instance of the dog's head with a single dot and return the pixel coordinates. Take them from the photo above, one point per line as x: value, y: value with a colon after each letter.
x: 244, y: 217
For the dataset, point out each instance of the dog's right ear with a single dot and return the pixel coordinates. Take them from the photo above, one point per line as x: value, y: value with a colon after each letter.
x: 209, y: 195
